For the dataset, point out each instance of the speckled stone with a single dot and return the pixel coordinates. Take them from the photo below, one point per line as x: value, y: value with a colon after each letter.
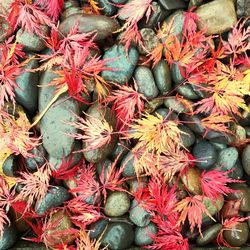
x: 143, y: 235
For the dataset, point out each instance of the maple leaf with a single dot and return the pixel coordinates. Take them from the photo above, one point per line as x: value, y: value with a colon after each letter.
x: 214, y: 183
x: 127, y: 102
x: 192, y: 208
x: 52, y: 7
x: 94, y: 6
x: 95, y: 132
x: 35, y: 185
x: 229, y: 224
x: 29, y: 17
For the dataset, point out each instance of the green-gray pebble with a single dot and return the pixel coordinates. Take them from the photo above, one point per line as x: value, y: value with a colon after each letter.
x: 208, y: 235
x: 143, y: 235
x: 9, y: 237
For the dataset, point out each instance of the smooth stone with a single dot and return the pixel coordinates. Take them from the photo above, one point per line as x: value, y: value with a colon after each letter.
x: 143, y: 235
x: 55, y: 197
x: 10, y: 166
x: 194, y: 123
x: 107, y: 8
x: 227, y: 159
x: 149, y: 39
x: 208, y: 235
x: 119, y: 151
x: 103, y: 167
x: 9, y: 237
x: 230, y: 209
x: 32, y: 42
x: 97, y: 228
x: 173, y: 5
x: 187, y: 91
x: 117, y: 204
x: 239, y: 133
x: 71, y: 11
x: 99, y: 112
x: 27, y: 91
x: 238, y: 172
x: 174, y: 104
x: 38, y: 159
x: 176, y: 74
x: 119, y: 1
x: 26, y: 245
x: 103, y: 26
x: 219, y: 146
x: 162, y: 76
x: 245, y: 158
x: 152, y: 105
x: 238, y: 235
x: 210, y: 15
x: 139, y: 216
x: 123, y: 65
x: 213, y: 207
x: 164, y: 112
x: 136, y: 183
x: 243, y: 8
x: 145, y: 82
x: 205, y: 154
x: 118, y: 236
x: 187, y: 137
x: 128, y: 165
x: 191, y: 180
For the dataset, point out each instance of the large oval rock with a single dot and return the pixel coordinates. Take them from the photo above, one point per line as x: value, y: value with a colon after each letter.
x: 9, y: 237
x: 145, y: 82
x: 103, y: 26
x: 96, y: 155
x: 217, y: 16
x: 122, y: 64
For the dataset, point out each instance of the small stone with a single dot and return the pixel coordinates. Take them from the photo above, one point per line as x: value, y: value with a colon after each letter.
x: 100, y: 112
x: 27, y: 90
x: 149, y: 40
x: 173, y: 5
x: 176, y: 74
x: 145, y: 82
x: 227, y: 158
x: 194, y: 123
x: 120, y: 150
x: 128, y: 165
x: 152, y: 105
x: 245, y: 158
x: 10, y: 166
x: 187, y: 91
x: 139, y: 216
x: 107, y: 8
x: 205, y: 154
x: 191, y: 180
x: 219, y: 146
x: 187, y: 137
x: 38, y: 158
x: 70, y: 11
x: 243, y: 8
x: 136, y: 183
x: 174, y: 104
x: 31, y: 41
x: 9, y: 237
x: 230, y: 209
x: 164, y: 112
x: 103, y: 26
x: 211, y: 206
x: 118, y: 236
x: 55, y: 197
x: 208, y: 235
x: 97, y: 228
x: 162, y: 76
x: 143, y: 235
x: 123, y: 64
x: 210, y: 15
x: 237, y: 235
x: 117, y: 204
x: 238, y: 172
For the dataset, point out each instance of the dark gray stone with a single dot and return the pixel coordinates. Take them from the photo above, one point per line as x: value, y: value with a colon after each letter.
x: 162, y: 76
x: 9, y: 237
x: 187, y: 91
x: 122, y: 64
x: 108, y: 9
x: 120, y: 150
x: 97, y: 228
x: 143, y: 235
x: 208, y: 235
x: 173, y: 5
x: 10, y: 166
x: 128, y: 165
x: 54, y: 198
x: 174, y: 104
x: 188, y: 137
x: 38, y: 159
x: 145, y: 82
x: 138, y: 215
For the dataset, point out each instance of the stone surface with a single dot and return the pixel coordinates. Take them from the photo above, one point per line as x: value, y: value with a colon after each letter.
x: 243, y: 8
x: 103, y: 26
x: 208, y: 235
x: 213, y: 207
x: 124, y: 65
x: 211, y: 16
x: 38, y: 158
x: 143, y: 235
x: 174, y: 104
x: 117, y: 204
x: 227, y: 158
x: 187, y: 137
x: 118, y: 236
x: 27, y: 90
x: 245, y: 158
x: 107, y: 8
x: 55, y: 197
x: 10, y: 166
x: 128, y: 165
x: 97, y: 228
x: 9, y: 237
x: 162, y: 76
x: 138, y: 215
x: 205, y: 153
x: 173, y: 5
x: 187, y: 91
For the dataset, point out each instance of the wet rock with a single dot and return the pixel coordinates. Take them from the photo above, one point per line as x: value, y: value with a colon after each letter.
x: 38, y: 159
x: 174, y: 104
x: 210, y: 16
x: 32, y: 42
x: 138, y: 215
x: 238, y: 235
x: 243, y: 8
x: 149, y: 40
x: 55, y: 197
x: 9, y: 237
x: 96, y: 155
x: 227, y: 158
x: 208, y: 235
x: 103, y: 26
x: 26, y: 245
x: 245, y: 158
x: 230, y: 209
x: 187, y: 91
x: 97, y: 228
x: 118, y: 236
x: 143, y: 235
x: 10, y: 166
x: 164, y: 112
x: 128, y: 165
x: 162, y: 76
x: 176, y: 74
x: 145, y: 82
x: 238, y: 172
x: 173, y: 5
x: 103, y: 167
x: 205, y: 153
x: 27, y: 91
x: 117, y: 204
x: 124, y: 65
x: 120, y: 150
x: 194, y: 123
x: 187, y: 137
x: 152, y: 105
x: 213, y: 207
x: 135, y: 184
x: 107, y: 8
